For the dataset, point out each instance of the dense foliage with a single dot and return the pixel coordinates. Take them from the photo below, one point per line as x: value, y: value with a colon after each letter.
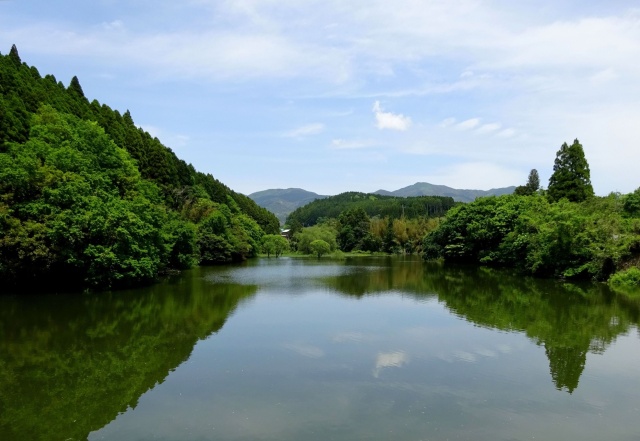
x: 274, y: 244
x: 563, y: 232
x: 355, y: 231
x: 373, y: 205
x: 590, y: 239
x: 89, y: 199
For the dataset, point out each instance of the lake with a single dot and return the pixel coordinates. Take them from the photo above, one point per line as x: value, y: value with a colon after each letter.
x: 307, y: 349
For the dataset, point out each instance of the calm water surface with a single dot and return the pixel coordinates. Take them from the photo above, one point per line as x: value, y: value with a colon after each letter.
x: 301, y: 349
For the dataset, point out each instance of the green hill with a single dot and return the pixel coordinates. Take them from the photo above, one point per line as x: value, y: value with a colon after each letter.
x: 373, y: 205
x: 89, y: 199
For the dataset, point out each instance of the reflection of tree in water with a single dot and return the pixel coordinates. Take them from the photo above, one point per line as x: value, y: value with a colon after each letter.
x: 566, y: 366
x: 71, y: 364
x: 569, y: 320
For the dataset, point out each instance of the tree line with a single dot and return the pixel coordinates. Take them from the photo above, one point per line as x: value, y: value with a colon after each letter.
x: 563, y: 231
x: 364, y: 222
x: 88, y: 199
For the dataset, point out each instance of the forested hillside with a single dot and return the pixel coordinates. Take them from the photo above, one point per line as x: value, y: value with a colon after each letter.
x: 89, y: 199
x: 373, y: 205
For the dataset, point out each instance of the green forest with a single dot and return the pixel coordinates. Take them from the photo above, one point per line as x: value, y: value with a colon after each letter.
x: 564, y: 231
x: 90, y: 200
x: 374, y: 205
x: 363, y: 222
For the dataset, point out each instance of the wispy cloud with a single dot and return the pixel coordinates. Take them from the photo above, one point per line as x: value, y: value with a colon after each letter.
x: 388, y: 120
x: 349, y: 144
x: 506, y: 133
x: 306, y: 130
x: 468, y: 124
x: 489, y: 128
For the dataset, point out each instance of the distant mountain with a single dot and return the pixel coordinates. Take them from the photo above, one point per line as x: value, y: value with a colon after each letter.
x: 426, y: 189
x: 281, y: 202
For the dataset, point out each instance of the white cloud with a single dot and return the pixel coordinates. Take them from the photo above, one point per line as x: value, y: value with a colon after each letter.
x: 115, y: 25
x: 345, y: 144
x: 506, y: 133
x: 488, y: 128
x: 306, y: 130
x: 387, y: 120
x: 468, y: 124
x: 604, y: 76
x: 448, y: 122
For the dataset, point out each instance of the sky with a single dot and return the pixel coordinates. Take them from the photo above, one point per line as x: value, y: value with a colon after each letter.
x: 335, y: 95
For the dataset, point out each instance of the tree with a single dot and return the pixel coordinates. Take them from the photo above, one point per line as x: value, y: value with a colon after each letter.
x: 319, y: 247
x: 532, y: 185
x: 274, y: 244
x: 533, y: 182
x: 75, y: 87
x: 354, y: 228
x: 317, y: 232
x: 14, y: 56
x: 571, y: 177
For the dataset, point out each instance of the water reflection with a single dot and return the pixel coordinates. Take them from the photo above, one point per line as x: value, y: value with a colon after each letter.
x: 568, y: 320
x: 389, y: 359
x: 70, y: 364
x: 298, y: 363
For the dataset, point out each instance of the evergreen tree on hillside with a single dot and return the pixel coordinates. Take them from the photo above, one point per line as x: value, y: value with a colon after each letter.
x: 532, y: 185
x: 14, y: 57
x: 74, y: 87
x: 571, y: 177
x: 533, y: 182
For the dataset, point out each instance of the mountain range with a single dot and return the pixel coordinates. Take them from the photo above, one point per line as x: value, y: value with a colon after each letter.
x: 281, y: 202
x: 426, y: 189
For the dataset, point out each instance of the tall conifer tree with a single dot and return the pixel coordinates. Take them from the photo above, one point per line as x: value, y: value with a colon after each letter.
x: 571, y: 177
x: 74, y: 86
x: 14, y: 56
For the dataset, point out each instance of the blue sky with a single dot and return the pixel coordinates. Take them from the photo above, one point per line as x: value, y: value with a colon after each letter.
x: 333, y: 96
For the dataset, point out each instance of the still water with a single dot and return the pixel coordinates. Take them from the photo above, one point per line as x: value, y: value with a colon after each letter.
x: 305, y: 349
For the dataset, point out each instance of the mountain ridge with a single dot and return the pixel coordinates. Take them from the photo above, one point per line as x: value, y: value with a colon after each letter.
x: 282, y: 202
x: 459, y: 195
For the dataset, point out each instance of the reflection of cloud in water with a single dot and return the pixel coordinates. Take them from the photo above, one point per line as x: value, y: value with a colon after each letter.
x: 485, y: 352
x: 465, y: 356
x: 348, y: 337
x: 305, y: 350
x: 472, y: 357
x: 389, y: 359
